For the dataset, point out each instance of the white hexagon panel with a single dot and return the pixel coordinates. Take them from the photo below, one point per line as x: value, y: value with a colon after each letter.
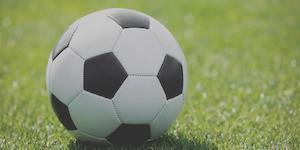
x: 87, y: 137
x: 166, y: 39
x: 66, y: 76
x: 139, y: 52
x: 139, y: 99
x: 95, y: 35
x: 166, y: 117
x: 94, y: 115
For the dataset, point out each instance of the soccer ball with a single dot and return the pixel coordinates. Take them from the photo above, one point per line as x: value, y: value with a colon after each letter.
x: 116, y: 76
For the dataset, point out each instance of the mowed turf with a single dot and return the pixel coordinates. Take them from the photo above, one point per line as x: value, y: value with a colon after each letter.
x: 244, y: 72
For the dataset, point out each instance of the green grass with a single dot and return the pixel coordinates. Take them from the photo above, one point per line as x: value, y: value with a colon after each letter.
x: 244, y: 72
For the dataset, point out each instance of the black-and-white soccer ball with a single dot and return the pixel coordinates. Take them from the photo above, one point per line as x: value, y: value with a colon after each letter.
x: 117, y: 76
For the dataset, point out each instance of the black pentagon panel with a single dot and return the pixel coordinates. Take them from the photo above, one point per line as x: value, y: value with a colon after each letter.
x: 130, y: 19
x: 170, y: 77
x: 64, y: 41
x: 130, y: 134
x: 62, y: 112
x: 103, y: 75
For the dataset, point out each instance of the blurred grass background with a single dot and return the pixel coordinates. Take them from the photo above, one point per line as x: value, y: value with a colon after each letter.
x: 243, y: 58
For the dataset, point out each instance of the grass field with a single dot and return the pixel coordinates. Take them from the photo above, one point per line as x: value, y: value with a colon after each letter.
x: 244, y: 72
